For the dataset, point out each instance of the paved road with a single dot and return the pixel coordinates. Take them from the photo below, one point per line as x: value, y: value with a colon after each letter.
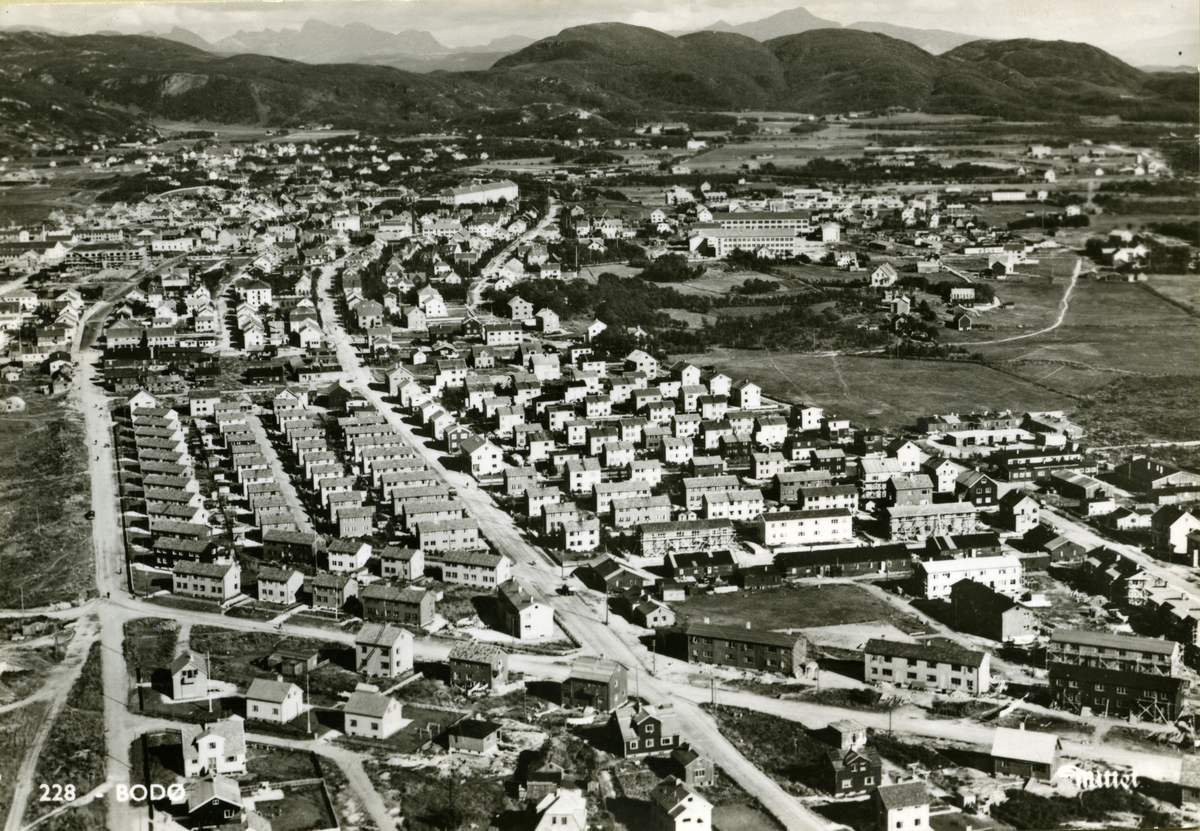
x: 539, y: 574
x: 1175, y: 577
x: 285, y: 482
x: 1161, y: 766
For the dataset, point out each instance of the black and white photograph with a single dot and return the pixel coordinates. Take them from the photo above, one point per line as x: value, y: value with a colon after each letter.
x: 600, y: 415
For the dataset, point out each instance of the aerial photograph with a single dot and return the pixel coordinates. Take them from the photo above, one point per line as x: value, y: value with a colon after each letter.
x: 600, y: 415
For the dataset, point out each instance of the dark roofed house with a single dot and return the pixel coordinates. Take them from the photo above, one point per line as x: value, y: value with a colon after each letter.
x: 693, y: 768
x: 597, y: 683
x: 474, y: 664
x: 408, y: 606
x: 853, y: 770
x: 643, y: 729
x: 474, y: 735
x: 701, y: 565
x: 939, y: 664
x: 746, y: 648
x: 981, y: 610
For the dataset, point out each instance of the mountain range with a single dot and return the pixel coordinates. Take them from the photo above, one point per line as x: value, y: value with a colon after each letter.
x: 419, y: 51
x: 611, y: 70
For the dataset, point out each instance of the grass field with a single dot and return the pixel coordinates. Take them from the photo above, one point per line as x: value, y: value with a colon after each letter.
x: 1182, y: 288
x: 1117, y: 414
x: 74, y: 753
x: 1109, y: 328
x: 878, y: 391
x: 793, y: 607
x: 45, y: 541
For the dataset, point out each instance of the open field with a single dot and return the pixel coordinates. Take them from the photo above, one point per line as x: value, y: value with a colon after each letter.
x: 45, y: 541
x: 1182, y: 288
x: 793, y: 607
x: 1112, y: 327
x: 1120, y: 413
x: 880, y: 391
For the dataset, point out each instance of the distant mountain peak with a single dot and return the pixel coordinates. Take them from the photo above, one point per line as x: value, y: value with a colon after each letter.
x: 787, y: 22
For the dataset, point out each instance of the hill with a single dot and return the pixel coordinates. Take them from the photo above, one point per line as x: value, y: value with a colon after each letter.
x: 99, y: 83
x: 119, y: 80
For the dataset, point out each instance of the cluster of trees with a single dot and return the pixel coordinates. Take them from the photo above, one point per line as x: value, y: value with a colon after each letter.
x: 671, y: 268
x: 1025, y: 810
x: 984, y: 293
x: 756, y: 286
x: 1121, y: 205
x: 1189, y: 232
x: 1050, y: 222
x: 866, y: 171
x: 571, y: 252
x: 618, y: 301
x: 1162, y: 259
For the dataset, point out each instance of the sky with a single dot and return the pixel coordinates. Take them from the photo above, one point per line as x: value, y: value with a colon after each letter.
x: 1106, y: 23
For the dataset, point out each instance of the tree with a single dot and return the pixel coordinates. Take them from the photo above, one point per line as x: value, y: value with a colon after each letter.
x: 671, y: 268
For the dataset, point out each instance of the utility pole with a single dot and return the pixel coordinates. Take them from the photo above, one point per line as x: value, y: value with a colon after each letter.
x: 308, y: 700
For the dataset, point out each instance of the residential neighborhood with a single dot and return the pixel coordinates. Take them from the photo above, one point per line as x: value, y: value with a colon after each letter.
x: 477, y: 480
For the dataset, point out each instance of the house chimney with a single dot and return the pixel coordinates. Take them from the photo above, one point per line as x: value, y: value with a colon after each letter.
x: 747, y: 624
x: 1022, y: 725
x: 707, y: 620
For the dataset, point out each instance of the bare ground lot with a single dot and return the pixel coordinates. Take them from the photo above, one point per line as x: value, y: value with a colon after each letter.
x: 880, y: 391
x: 45, y: 541
x: 794, y: 607
x: 17, y: 731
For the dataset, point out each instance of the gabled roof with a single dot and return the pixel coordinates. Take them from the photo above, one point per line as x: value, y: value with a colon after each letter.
x: 1025, y: 745
x: 904, y: 795
x: 265, y: 689
x: 1081, y: 637
x: 370, y: 704
x: 381, y: 634
x: 200, y: 662
x: 212, y: 788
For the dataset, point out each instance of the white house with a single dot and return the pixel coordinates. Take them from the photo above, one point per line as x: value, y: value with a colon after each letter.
x: 219, y: 747
x: 367, y: 713
x: 275, y: 701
